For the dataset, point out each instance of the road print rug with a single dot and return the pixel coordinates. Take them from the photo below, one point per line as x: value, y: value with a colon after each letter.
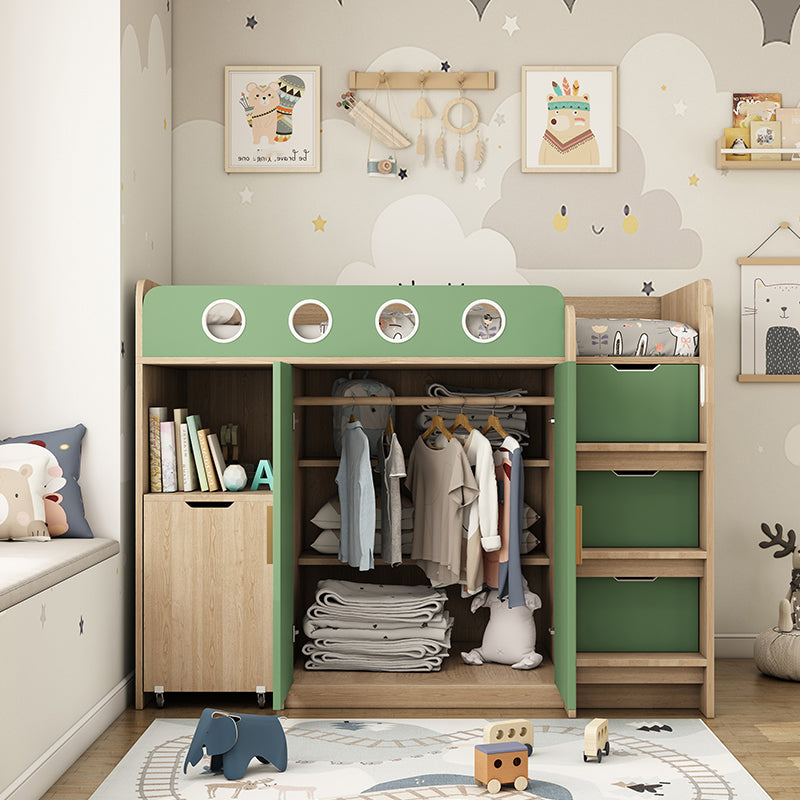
x: 418, y: 759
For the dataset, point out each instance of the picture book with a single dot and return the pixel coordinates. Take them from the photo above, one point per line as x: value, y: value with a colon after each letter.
x: 789, y: 119
x: 208, y: 464
x: 179, y: 415
x: 187, y: 459
x: 737, y: 139
x: 216, y: 456
x: 758, y: 105
x: 764, y: 136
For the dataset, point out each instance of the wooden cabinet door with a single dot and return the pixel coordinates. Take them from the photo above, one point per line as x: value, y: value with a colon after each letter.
x: 207, y: 606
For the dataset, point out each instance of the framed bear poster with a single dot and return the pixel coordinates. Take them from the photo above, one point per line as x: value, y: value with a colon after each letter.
x: 272, y: 119
x: 569, y: 119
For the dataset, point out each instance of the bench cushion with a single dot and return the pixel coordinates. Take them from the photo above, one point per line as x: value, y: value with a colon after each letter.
x: 27, y: 568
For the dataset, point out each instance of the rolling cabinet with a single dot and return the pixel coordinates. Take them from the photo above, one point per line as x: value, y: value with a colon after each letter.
x: 645, y: 585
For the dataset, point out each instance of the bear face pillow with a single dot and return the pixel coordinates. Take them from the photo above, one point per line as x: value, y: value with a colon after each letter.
x: 22, y: 511
x: 58, y: 484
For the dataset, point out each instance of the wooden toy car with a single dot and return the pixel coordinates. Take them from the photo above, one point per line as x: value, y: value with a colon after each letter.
x: 595, y: 740
x: 510, y: 730
x: 496, y: 764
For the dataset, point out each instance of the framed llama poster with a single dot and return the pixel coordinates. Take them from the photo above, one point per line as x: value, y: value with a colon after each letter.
x: 569, y: 119
x: 272, y: 119
x: 770, y: 317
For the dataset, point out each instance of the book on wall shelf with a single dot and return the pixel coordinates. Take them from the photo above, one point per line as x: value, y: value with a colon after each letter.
x: 169, y: 468
x: 156, y: 415
x: 789, y: 119
x: 194, y: 425
x: 208, y: 463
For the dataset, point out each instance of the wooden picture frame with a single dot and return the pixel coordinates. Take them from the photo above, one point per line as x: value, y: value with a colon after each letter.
x: 272, y: 119
x: 569, y: 119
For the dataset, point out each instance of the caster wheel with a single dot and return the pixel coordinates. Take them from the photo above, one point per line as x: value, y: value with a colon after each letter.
x: 585, y: 758
x: 261, y: 699
x: 599, y: 756
x: 493, y: 787
x: 160, y: 700
x: 607, y: 748
x: 520, y: 782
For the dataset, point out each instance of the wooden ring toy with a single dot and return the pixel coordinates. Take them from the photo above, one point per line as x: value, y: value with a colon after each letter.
x: 463, y: 102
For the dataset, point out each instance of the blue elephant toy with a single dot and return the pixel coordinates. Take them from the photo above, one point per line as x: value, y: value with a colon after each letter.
x: 234, y: 740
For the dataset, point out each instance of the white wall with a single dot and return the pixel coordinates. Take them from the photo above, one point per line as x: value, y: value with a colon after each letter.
x: 59, y: 305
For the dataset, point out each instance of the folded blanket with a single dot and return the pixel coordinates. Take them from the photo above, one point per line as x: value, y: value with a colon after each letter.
x: 442, y: 390
x: 314, y: 630
x: 408, y: 648
x: 334, y: 661
x: 367, y: 600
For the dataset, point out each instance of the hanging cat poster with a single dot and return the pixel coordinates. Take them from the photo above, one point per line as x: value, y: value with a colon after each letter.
x: 770, y: 316
x: 272, y: 119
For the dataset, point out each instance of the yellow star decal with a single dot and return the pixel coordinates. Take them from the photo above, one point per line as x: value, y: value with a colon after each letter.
x: 319, y: 223
x: 693, y: 180
x: 165, y: 123
x: 663, y: 87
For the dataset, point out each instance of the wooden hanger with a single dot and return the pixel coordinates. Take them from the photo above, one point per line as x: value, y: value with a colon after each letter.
x: 352, y: 418
x: 437, y: 424
x: 493, y: 423
x: 461, y: 421
x: 389, y: 429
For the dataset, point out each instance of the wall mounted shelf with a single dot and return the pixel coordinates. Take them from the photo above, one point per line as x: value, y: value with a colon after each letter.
x: 723, y: 163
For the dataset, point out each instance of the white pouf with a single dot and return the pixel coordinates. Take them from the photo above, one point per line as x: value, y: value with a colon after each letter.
x: 778, y: 654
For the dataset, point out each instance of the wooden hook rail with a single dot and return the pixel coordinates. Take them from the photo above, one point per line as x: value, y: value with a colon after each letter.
x: 468, y: 81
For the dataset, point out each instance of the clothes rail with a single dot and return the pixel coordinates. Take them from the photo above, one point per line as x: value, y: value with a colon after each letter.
x: 424, y: 400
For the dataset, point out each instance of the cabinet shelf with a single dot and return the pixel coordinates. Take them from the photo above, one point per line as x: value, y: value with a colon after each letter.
x: 424, y: 400
x: 624, y: 361
x: 309, y: 558
x: 723, y: 163
x: 455, y: 687
x: 641, y: 660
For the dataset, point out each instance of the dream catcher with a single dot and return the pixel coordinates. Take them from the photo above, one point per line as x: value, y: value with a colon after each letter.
x: 467, y: 106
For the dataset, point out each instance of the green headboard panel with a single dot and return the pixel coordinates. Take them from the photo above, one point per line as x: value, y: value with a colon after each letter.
x: 534, y: 322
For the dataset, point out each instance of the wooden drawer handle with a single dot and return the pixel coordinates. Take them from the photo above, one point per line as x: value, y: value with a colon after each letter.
x: 209, y: 504
x: 636, y: 580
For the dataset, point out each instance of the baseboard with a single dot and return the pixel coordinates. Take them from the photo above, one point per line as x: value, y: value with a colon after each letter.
x: 55, y: 761
x: 731, y: 645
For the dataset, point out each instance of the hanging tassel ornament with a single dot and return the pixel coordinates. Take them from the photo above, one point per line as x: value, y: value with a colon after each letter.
x: 438, y: 149
x: 421, y: 111
x: 460, y: 165
x: 480, y: 152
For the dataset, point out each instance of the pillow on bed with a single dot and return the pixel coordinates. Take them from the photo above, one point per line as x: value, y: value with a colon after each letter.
x: 23, y: 476
x: 63, y: 502
x: 635, y: 337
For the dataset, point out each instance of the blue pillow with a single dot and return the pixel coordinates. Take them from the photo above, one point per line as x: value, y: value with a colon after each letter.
x: 63, y: 500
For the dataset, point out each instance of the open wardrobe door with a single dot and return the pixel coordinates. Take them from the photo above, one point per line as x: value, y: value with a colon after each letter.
x: 283, y: 531
x: 565, y: 636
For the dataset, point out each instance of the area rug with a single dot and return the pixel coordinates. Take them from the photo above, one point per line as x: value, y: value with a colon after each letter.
x: 417, y: 759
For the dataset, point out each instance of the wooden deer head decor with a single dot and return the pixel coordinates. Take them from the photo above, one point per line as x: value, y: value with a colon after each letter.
x: 789, y: 608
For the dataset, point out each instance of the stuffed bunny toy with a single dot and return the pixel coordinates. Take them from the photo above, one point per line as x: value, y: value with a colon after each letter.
x: 510, y: 635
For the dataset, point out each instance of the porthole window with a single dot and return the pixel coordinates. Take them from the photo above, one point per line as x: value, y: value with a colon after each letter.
x: 223, y: 321
x: 397, y: 321
x: 483, y: 321
x: 310, y: 320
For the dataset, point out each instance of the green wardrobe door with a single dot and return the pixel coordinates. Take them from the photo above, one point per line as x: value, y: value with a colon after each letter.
x: 283, y: 535
x: 564, y: 640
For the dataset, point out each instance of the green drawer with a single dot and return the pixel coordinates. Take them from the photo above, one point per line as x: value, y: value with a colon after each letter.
x: 618, y: 615
x: 616, y: 404
x: 634, y: 509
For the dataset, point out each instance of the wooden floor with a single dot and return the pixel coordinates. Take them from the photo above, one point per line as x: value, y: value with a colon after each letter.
x: 758, y: 720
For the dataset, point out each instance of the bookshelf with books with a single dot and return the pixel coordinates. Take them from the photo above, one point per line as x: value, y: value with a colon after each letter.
x: 764, y: 134
x: 204, y: 559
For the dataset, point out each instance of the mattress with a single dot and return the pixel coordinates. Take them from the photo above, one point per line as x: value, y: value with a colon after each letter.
x: 635, y: 337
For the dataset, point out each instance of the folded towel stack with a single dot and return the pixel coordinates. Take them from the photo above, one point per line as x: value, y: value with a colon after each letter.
x: 376, y: 628
x: 514, y: 419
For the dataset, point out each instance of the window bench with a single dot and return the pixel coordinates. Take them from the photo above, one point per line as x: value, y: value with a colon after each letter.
x: 27, y: 568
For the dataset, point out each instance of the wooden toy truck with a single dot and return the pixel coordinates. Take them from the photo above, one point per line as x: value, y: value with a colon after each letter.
x: 595, y: 740
x: 496, y: 764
